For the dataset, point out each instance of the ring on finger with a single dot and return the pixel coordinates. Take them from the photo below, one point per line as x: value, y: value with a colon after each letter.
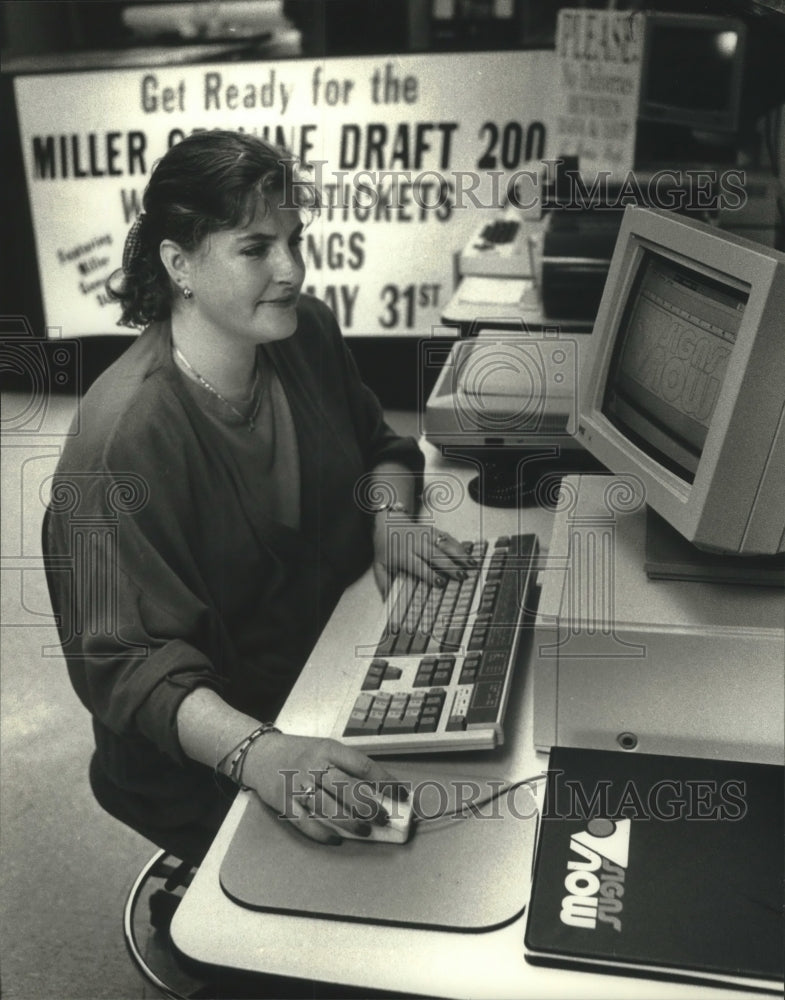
x: 440, y: 539
x: 305, y: 793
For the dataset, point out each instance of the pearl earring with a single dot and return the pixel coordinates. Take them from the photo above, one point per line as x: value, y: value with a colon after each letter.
x: 187, y: 293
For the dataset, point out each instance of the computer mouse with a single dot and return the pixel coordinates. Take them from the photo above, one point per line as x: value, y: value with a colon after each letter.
x: 396, y: 831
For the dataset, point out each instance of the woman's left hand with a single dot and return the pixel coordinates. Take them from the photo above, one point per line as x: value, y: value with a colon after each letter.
x: 402, y: 544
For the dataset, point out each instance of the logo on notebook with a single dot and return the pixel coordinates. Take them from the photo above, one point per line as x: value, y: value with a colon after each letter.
x: 595, y: 875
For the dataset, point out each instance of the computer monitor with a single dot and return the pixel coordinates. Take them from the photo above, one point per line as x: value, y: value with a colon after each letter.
x: 685, y: 383
x: 692, y: 71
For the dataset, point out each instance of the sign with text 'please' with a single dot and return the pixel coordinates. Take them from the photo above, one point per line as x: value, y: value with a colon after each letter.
x: 598, y: 80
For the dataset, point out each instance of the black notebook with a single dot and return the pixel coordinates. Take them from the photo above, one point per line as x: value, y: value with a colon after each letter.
x: 655, y: 865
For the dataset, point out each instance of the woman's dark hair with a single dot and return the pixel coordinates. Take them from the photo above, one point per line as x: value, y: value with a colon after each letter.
x: 207, y: 182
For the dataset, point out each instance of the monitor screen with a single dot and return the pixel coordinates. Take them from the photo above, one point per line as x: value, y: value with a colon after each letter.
x: 692, y: 67
x: 670, y: 359
x: 692, y: 71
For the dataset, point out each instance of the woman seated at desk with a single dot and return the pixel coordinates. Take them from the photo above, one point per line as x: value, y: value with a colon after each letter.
x: 226, y: 445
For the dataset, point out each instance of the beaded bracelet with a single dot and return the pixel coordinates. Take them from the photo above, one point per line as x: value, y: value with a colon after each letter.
x: 240, y: 752
x: 391, y: 507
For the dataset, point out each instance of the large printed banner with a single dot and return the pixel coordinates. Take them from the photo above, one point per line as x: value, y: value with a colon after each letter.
x: 412, y: 154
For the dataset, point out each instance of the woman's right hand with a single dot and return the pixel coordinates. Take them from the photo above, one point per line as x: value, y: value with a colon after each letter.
x: 322, y: 787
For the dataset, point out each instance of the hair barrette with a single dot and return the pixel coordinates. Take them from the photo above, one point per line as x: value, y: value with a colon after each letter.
x: 133, y: 242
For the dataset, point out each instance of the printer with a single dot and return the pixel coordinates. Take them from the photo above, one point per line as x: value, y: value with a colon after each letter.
x: 577, y: 246
x: 505, y: 389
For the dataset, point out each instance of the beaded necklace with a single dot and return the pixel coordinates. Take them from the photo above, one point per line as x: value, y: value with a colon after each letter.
x: 251, y: 418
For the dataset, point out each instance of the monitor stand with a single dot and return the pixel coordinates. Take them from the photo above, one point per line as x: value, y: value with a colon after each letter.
x: 621, y: 662
x: 669, y: 556
x: 522, y: 477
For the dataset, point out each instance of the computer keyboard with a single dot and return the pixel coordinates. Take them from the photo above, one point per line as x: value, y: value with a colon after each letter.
x: 440, y: 676
x: 499, y: 231
x: 502, y: 247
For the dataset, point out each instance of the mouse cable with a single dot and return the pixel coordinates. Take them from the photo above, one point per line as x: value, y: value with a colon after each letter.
x: 432, y: 823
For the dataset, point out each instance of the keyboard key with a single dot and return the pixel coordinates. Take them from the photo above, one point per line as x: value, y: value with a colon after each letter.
x: 393, y: 721
x: 408, y: 723
x: 425, y: 671
x: 445, y: 616
x: 363, y: 703
x: 450, y: 596
x: 493, y: 663
x: 478, y: 638
x: 410, y: 624
x: 460, y: 706
x: 375, y: 675
x: 505, y: 615
x: 388, y: 644
x: 418, y: 643
x: 452, y: 641
x: 500, y: 639
x: 402, y: 602
x: 471, y: 666
x: 359, y: 715
x: 431, y: 713
x: 486, y: 700
x: 430, y: 611
x: 378, y: 712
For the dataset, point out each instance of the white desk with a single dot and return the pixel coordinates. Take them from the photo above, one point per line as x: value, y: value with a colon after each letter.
x: 210, y: 928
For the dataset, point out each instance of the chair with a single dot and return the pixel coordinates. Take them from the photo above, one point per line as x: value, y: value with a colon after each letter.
x: 156, y: 892
x: 157, y: 889
x: 147, y: 914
